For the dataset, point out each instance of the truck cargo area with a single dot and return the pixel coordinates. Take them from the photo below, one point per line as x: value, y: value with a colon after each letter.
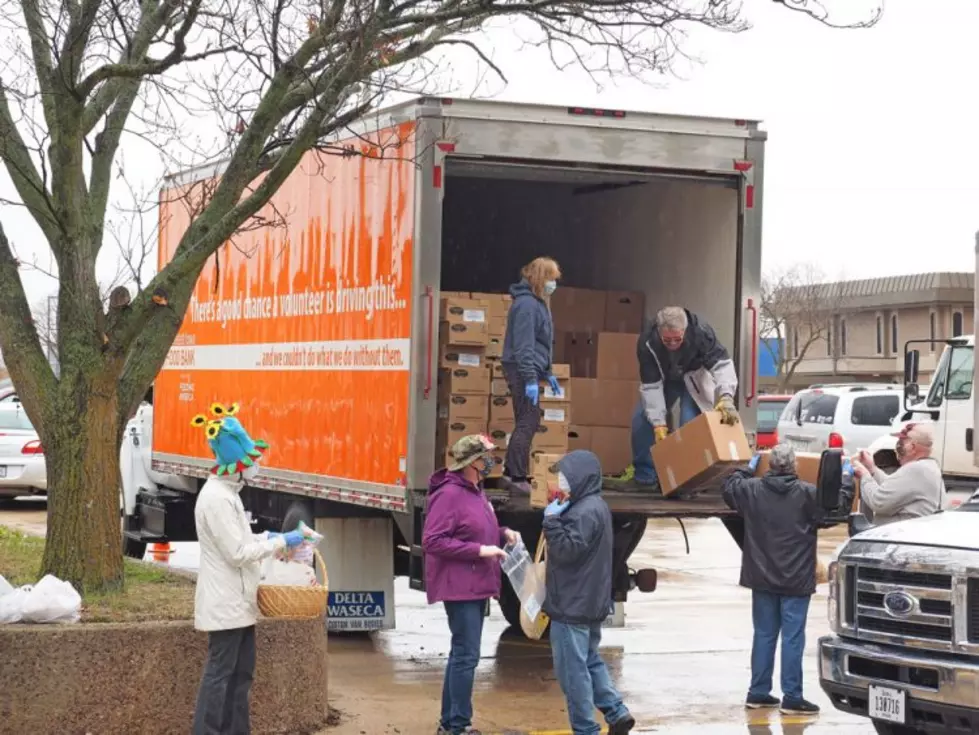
x: 672, y: 238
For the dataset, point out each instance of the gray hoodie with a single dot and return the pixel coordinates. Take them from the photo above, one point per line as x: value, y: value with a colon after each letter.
x: 579, y: 547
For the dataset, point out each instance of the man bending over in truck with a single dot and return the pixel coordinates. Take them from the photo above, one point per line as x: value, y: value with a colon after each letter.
x: 681, y: 360
x: 778, y: 564
x: 915, y: 489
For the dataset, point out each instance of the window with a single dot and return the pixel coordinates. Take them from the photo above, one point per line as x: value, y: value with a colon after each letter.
x: 15, y: 421
x: 953, y: 377
x: 894, y: 347
x: 957, y: 324
x: 768, y: 413
x: 843, y: 337
x: 880, y: 335
x: 875, y: 410
x: 811, y: 407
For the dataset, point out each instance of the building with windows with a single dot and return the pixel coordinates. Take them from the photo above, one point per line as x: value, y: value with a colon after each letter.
x: 860, y: 329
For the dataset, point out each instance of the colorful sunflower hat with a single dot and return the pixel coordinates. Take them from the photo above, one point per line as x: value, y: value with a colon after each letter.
x: 233, y: 449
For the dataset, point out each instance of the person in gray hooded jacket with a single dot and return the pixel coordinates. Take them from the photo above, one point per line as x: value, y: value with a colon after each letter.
x: 578, y: 532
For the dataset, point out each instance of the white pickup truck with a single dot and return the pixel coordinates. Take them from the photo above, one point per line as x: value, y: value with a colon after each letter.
x: 904, y: 598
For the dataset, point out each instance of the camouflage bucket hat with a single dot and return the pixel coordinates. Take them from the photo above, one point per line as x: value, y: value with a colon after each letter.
x: 468, y: 449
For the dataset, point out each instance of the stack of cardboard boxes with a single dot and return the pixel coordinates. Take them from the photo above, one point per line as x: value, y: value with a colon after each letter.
x: 596, y: 333
x: 473, y: 396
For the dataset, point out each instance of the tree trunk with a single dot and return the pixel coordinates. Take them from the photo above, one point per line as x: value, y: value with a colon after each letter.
x: 84, y: 535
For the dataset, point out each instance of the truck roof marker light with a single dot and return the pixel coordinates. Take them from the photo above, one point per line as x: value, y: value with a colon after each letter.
x: 596, y: 112
x: 835, y: 441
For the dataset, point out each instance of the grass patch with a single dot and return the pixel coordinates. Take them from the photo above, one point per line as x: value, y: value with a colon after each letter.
x: 150, y: 593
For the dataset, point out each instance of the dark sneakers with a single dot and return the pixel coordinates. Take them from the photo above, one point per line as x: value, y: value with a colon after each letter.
x: 761, y: 701
x: 798, y: 707
x: 623, y: 726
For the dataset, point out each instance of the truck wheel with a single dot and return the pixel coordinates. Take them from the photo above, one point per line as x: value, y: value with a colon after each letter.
x: 298, y: 511
x: 131, y: 548
x: 884, y: 728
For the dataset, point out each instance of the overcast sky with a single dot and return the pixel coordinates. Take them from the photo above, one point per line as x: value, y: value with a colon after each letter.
x: 872, y: 152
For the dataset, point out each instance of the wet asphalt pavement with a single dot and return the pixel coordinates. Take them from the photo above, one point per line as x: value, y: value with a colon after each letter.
x: 681, y: 661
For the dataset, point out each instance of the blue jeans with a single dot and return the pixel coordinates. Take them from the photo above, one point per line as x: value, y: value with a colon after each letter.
x: 466, y: 625
x: 583, y: 677
x: 643, y: 438
x: 770, y: 614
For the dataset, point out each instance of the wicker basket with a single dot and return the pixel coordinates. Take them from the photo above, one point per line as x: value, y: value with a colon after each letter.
x: 287, y: 601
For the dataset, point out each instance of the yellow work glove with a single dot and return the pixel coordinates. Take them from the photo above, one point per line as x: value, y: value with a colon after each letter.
x: 729, y: 414
x: 660, y: 433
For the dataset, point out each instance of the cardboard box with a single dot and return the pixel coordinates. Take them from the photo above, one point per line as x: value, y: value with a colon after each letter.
x: 624, y: 311
x: 613, y: 446
x: 697, y: 457
x: 807, y: 468
x: 447, y: 434
x: 578, y: 309
x: 498, y: 371
x: 499, y: 387
x: 603, y: 402
x: 494, y: 347
x: 454, y: 407
x: 561, y: 371
x: 497, y: 328
x: 446, y: 295
x: 465, y: 381
x: 548, y: 394
x: 456, y: 310
x: 579, y: 437
x: 551, y: 438
x: 580, y: 350
x: 499, y: 433
x: 501, y: 410
x: 499, y: 303
x: 543, y: 480
x: 556, y: 412
x: 463, y: 334
x: 452, y: 356
x: 616, y: 356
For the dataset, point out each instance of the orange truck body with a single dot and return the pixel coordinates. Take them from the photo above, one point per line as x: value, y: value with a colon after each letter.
x: 305, y: 323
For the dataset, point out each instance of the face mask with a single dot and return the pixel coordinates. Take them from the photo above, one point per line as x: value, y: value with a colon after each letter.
x: 488, y: 463
x: 249, y: 473
x: 550, y: 287
x: 562, y: 483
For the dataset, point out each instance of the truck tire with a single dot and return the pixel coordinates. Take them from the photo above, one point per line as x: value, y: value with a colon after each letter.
x: 884, y: 728
x: 298, y: 511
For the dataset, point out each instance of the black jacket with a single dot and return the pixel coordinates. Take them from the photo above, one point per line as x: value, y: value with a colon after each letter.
x: 781, y: 515
x: 579, y: 547
x: 700, y: 349
x: 529, y: 334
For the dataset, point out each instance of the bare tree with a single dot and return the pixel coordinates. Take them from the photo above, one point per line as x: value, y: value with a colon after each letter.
x: 274, y: 80
x: 797, y: 309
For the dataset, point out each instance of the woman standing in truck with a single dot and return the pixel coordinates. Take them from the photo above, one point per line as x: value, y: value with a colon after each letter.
x: 527, y: 349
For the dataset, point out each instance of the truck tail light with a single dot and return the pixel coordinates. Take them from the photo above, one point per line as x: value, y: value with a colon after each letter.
x: 32, y: 448
x: 835, y: 441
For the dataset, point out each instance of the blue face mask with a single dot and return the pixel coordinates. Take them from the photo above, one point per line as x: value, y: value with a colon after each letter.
x: 550, y: 287
x: 488, y: 463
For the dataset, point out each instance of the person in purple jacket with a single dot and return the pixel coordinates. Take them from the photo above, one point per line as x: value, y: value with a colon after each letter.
x: 462, y: 543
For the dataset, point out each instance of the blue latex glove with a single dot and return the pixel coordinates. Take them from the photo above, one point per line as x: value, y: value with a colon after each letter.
x: 847, y: 467
x: 753, y: 464
x: 293, y: 538
x: 532, y: 392
x: 555, y: 386
x: 273, y: 534
x: 556, y: 507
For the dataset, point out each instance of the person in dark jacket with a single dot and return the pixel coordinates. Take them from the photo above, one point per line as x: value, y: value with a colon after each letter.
x: 578, y: 531
x: 680, y: 359
x: 778, y: 564
x: 527, y: 349
x: 461, y: 542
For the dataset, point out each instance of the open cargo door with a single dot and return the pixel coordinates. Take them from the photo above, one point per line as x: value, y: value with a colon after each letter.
x: 304, y: 318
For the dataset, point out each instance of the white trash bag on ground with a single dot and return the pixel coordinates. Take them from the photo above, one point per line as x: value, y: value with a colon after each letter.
x: 49, y: 601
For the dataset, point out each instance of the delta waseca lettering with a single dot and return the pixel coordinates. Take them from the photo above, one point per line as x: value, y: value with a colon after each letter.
x: 356, y: 605
x: 380, y: 295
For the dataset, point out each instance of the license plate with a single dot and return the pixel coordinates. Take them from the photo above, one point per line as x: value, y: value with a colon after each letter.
x: 800, y: 445
x: 887, y: 704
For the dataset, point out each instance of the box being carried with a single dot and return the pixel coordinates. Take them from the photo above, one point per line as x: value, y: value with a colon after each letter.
x: 543, y: 480
x: 698, y: 456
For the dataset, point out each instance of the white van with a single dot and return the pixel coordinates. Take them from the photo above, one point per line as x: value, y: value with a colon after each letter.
x: 849, y: 416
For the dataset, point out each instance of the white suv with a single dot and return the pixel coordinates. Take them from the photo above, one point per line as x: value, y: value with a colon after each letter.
x: 849, y: 416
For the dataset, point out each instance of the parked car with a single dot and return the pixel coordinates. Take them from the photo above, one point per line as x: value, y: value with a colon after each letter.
x: 7, y: 391
x: 22, y: 468
x: 847, y: 417
x: 769, y: 410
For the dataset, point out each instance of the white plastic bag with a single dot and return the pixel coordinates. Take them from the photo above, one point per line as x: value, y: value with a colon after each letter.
x: 5, y: 587
x: 12, y: 605
x: 524, y: 579
x: 288, y: 573
x: 52, y: 601
x: 303, y: 554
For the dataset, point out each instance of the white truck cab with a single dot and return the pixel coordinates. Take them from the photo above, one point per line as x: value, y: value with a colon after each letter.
x: 904, y: 598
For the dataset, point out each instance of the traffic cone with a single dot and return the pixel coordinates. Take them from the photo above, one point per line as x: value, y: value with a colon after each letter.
x: 161, y: 552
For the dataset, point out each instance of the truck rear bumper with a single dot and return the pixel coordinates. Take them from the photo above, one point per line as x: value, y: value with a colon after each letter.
x: 942, y: 692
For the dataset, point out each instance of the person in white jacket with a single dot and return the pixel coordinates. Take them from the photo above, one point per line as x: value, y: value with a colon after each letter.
x: 226, y: 601
x: 916, y: 489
